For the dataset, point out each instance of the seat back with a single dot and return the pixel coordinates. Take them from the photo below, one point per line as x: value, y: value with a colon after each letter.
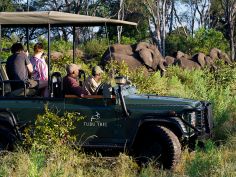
x: 4, y: 87
x: 56, y: 85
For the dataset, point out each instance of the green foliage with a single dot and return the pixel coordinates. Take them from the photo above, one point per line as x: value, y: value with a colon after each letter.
x: 175, y: 42
x: 95, y: 48
x: 205, y: 165
x: 50, y: 129
x: 6, y: 45
x: 61, y: 46
x: 206, y: 39
x: 203, y: 41
x: 128, y: 40
x: 6, y: 6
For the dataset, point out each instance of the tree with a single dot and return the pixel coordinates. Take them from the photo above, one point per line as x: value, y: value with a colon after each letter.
x: 206, y: 39
x: 223, y: 18
x: 230, y: 15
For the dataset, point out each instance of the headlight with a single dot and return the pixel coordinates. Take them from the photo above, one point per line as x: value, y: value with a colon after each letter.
x: 193, y: 118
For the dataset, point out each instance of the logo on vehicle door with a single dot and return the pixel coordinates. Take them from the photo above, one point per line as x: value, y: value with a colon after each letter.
x: 95, y: 117
x: 95, y: 121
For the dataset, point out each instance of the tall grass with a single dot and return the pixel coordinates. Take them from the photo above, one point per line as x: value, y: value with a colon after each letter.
x: 217, y: 159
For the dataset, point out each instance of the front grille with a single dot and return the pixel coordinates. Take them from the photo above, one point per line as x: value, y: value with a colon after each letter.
x: 204, y: 119
x: 200, y: 121
x: 208, y: 118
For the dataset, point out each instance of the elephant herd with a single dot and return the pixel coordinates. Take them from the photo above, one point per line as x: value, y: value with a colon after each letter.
x: 144, y: 54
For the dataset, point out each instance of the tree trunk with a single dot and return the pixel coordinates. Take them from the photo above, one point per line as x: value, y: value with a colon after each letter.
x: 163, y: 27
x: 120, y: 17
x: 230, y: 16
x: 172, y: 15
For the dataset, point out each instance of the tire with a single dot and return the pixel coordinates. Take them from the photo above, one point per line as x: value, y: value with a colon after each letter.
x: 158, y: 144
x: 7, y: 140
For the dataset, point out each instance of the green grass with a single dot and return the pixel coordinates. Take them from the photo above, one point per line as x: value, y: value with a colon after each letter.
x: 217, y: 159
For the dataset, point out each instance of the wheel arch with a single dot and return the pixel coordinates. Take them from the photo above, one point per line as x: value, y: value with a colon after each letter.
x: 9, y: 122
x: 174, y: 124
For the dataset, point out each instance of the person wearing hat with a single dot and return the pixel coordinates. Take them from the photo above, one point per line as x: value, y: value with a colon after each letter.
x: 91, y: 83
x: 70, y: 84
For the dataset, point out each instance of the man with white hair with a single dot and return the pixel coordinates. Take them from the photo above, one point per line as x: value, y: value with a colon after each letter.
x: 91, y: 83
x: 70, y: 84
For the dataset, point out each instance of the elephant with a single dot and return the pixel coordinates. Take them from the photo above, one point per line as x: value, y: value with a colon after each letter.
x: 200, y: 59
x: 117, y: 48
x: 214, y: 53
x: 56, y: 55
x: 218, y: 54
x: 210, y: 63
x: 226, y: 58
x: 180, y: 54
x: 141, y: 54
x: 151, y: 56
x: 204, y: 60
x: 130, y: 60
x: 170, y: 61
x: 78, y: 53
x: 186, y: 63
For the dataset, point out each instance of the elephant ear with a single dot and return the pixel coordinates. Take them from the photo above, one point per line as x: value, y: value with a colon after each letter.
x: 147, y: 56
x: 201, y: 59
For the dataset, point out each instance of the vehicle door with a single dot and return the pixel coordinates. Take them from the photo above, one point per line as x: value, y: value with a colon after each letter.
x: 100, y: 125
x: 26, y: 109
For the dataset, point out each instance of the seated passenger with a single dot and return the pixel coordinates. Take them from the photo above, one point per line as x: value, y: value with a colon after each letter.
x: 19, y: 67
x: 40, y: 67
x: 70, y: 84
x: 91, y: 83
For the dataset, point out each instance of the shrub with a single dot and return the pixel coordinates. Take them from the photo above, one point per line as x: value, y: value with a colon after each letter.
x: 206, y: 39
x: 95, y: 48
x: 50, y: 129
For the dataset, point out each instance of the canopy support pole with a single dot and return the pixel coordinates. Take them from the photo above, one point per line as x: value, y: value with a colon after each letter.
x: 49, y: 59
x: 0, y: 41
x: 74, y: 44
x: 27, y: 36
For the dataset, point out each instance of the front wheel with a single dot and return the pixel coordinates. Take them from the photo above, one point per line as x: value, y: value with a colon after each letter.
x: 7, y: 139
x: 158, y: 143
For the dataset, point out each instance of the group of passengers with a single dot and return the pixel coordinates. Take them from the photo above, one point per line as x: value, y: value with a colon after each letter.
x: 34, y: 72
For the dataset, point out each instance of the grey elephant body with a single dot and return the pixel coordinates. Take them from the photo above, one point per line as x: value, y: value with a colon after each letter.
x: 141, y: 54
x: 170, y: 60
x: 180, y: 54
x: 218, y: 54
x: 204, y: 60
x: 186, y: 63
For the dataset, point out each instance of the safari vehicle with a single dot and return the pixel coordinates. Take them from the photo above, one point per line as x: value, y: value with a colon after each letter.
x: 146, y: 126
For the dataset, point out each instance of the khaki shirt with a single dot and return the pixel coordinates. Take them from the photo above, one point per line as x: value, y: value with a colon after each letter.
x: 90, y: 85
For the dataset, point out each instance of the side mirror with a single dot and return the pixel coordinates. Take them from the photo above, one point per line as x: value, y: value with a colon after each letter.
x: 120, y: 80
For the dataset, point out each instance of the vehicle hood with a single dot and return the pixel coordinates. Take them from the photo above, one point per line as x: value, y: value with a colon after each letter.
x: 161, y: 101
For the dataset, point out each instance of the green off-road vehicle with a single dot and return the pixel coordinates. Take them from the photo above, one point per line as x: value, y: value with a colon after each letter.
x: 147, y: 126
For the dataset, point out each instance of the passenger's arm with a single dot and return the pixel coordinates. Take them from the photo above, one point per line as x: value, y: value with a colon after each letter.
x: 30, y: 68
x: 28, y: 64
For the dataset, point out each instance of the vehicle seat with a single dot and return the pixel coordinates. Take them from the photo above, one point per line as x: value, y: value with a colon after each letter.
x: 4, y: 87
x: 56, y: 85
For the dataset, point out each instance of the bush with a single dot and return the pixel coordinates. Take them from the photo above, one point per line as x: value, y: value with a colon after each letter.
x: 95, y: 48
x: 50, y: 130
x: 206, y: 39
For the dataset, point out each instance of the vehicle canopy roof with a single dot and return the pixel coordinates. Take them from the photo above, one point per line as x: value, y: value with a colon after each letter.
x: 41, y: 18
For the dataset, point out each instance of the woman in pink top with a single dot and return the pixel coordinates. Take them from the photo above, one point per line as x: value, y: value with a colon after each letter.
x: 40, y: 67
